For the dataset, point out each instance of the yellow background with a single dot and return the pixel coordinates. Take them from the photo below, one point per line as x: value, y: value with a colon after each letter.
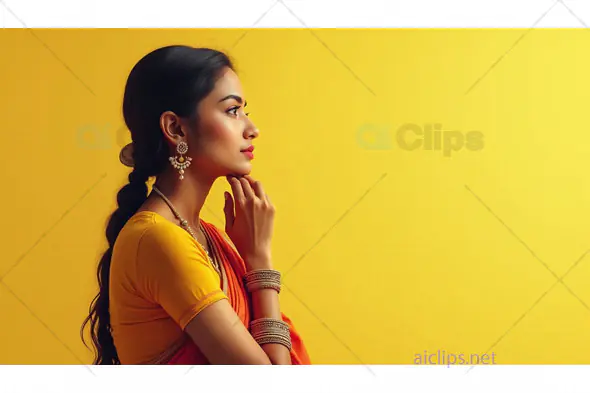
x: 397, y: 252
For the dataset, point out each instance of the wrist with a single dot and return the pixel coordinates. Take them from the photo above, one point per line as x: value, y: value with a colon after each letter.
x: 258, y: 262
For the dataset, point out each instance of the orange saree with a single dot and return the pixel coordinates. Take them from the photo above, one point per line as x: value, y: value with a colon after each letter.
x: 186, y: 352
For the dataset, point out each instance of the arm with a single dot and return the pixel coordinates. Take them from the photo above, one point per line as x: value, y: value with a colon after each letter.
x: 223, y: 339
x: 249, y: 224
x: 175, y: 274
x: 265, y: 304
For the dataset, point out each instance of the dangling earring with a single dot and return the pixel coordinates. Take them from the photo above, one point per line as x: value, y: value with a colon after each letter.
x: 179, y: 162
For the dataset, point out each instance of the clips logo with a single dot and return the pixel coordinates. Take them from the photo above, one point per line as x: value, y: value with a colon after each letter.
x: 101, y: 136
x: 411, y: 137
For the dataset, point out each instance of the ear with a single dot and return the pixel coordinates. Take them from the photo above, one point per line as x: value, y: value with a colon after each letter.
x: 172, y: 127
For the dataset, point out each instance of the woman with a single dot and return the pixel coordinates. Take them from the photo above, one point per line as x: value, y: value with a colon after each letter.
x: 175, y: 289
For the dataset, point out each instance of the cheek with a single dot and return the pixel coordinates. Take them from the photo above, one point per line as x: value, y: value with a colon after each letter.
x: 222, y: 134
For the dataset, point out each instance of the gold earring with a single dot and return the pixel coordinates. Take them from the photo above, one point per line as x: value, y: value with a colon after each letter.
x: 179, y: 162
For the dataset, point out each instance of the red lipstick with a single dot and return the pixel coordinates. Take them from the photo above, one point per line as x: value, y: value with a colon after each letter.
x: 249, y: 152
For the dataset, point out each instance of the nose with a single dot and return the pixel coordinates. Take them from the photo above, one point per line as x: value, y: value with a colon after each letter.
x: 251, y: 131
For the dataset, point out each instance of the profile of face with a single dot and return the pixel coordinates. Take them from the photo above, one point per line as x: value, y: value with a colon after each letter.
x: 224, y: 131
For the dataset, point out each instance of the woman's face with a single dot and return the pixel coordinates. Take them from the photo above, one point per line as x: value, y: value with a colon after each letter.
x: 224, y: 130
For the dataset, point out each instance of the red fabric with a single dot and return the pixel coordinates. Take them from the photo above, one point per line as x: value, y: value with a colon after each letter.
x: 235, y: 268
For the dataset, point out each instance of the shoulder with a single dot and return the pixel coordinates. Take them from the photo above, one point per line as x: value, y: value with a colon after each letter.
x: 172, y: 268
x: 160, y: 236
x: 147, y: 236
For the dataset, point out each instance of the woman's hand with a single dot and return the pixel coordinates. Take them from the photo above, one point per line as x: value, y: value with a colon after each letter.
x: 249, y: 221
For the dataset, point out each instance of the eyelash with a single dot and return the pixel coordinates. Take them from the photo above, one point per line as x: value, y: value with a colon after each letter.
x: 235, y: 108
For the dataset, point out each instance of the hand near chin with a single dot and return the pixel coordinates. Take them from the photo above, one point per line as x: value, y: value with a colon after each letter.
x: 249, y: 221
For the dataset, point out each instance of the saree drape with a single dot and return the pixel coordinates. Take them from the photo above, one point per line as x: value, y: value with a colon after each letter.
x: 185, y: 352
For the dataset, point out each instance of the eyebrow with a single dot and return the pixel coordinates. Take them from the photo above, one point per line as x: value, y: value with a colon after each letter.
x: 235, y: 97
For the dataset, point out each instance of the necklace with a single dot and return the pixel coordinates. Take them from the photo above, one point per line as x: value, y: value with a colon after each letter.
x: 185, y: 225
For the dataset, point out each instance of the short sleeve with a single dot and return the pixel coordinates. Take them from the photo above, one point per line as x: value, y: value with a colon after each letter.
x: 175, y: 273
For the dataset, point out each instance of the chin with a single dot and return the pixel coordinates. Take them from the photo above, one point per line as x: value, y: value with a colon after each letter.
x: 242, y: 170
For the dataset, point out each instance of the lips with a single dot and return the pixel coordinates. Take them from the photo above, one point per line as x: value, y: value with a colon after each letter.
x: 248, y: 152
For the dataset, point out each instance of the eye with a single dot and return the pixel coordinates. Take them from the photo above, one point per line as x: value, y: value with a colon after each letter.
x: 234, y: 110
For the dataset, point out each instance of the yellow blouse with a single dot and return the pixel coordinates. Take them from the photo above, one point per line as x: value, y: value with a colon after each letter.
x: 160, y: 279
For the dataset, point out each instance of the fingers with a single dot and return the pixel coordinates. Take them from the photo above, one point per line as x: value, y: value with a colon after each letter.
x: 236, y: 189
x: 257, y: 187
x: 246, y: 188
x: 248, y: 191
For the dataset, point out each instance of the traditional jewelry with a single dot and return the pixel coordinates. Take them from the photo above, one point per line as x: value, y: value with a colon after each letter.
x: 185, y: 225
x: 179, y: 162
x: 263, y: 279
x: 271, y: 331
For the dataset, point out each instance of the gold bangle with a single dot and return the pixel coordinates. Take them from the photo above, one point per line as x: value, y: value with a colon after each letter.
x: 275, y: 340
x: 262, y: 279
x: 263, y: 324
x: 255, y: 286
x: 271, y: 331
x: 262, y: 274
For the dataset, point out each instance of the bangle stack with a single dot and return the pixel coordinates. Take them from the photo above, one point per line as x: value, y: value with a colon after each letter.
x: 267, y: 330
x: 271, y: 331
x: 263, y: 279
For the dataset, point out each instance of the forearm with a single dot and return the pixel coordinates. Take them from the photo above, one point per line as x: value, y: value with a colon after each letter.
x: 265, y: 304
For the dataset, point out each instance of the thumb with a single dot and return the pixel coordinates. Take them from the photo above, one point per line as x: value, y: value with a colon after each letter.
x: 228, y: 209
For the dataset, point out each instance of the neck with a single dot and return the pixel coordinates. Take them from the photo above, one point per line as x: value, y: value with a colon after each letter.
x: 187, y: 195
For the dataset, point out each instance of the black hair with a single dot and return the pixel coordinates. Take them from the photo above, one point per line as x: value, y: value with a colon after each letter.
x: 173, y: 78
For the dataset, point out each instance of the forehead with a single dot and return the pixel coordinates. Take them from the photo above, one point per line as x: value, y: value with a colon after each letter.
x: 228, y: 83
